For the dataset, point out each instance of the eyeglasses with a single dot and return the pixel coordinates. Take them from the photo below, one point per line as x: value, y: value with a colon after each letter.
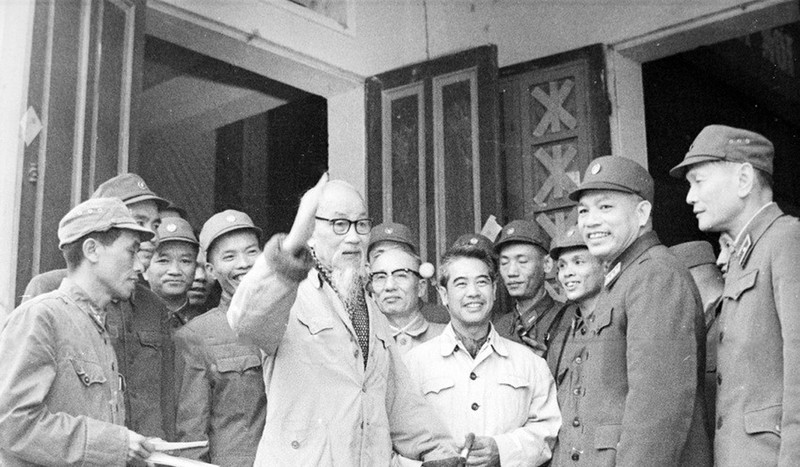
x: 402, y: 277
x: 342, y: 226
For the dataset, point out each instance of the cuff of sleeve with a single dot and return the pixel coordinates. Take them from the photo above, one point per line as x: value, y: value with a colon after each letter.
x: 106, y: 443
x: 292, y: 267
x: 512, y: 453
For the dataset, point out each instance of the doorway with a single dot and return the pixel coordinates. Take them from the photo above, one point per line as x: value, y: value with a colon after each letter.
x: 215, y: 136
x: 748, y: 82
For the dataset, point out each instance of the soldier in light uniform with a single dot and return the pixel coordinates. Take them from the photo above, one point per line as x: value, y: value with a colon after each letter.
x: 729, y: 171
x: 640, y: 400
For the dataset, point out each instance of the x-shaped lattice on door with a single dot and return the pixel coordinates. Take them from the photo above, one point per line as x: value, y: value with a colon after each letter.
x: 559, y: 181
x: 553, y: 102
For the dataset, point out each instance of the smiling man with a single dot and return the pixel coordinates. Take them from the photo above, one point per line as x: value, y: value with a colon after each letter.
x: 221, y: 397
x: 640, y: 400
x: 62, y: 393
x: 522, y: 247
x: 729, y: 171
x: 339, y: 393
x: 480, y: 382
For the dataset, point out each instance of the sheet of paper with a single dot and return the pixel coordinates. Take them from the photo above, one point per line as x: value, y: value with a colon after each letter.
x: 161, y: 445
x: 165, y: 459
x: 491, y: 229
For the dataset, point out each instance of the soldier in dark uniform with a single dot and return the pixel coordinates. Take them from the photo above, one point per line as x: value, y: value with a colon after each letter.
x: 222, y: 396
x: 138, y: 326
x: 729, y: 171
x: 522, y: 248
x: 640, y: 397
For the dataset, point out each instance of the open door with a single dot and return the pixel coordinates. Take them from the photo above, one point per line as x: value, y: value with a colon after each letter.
x: 85, y: 75
x: 432, y: 160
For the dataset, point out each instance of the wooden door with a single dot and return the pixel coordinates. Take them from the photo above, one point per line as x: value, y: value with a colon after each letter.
x: 85, y: 75
x: 555, y: 114
x: 432, y: 159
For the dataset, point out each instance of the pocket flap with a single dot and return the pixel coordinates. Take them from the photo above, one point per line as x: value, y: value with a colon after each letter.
x: 764, y: 420
x: 239, y: 363
x: 437, y: 385
x: 607, y: 436
x: 88, y: 372
x: 602, y: 319
x: 315, y: 324
x: 150, y: 339
x: 514, y: 381
x: 736, y: 287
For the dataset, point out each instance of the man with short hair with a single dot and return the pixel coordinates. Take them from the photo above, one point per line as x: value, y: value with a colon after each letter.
x: 172, y: 269
x: 522, y: 247
x: 222, y: 397
x: 61, y: 394
x: 699, y: 257
x: 479, y: 382
x: 339, y: 393
x: 639, y: 396
x: 729, y: 171
x: 397, y: 288
x: 201, y: 293
x: 581, y: 278
x: 137, y: 325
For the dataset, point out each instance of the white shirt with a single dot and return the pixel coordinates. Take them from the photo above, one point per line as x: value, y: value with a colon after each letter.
x: 506, y: 392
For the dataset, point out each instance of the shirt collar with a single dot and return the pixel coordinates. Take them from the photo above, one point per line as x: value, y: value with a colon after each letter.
x: 79, y: 296
x: 417, y: 326
x: 540, y: 306
x: 449, y: 343
x: 636, y: 249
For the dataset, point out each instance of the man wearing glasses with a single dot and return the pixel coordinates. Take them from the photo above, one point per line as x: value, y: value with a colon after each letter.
x: 397, y: 288
x: 339, y: 393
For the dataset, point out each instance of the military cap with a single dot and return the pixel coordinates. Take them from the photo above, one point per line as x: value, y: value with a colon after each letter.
x: 694, y: 254
x: 98, y: 215
x: 571, y: 238
x: 175, y: 229
x: 130, y: 188
x: 523, y: 231
x: 392, y: 232
x: 617, y: 174
x: 224, y: 222
x: 724, y: 143
x: 175, y: 210
x: 475, y: 240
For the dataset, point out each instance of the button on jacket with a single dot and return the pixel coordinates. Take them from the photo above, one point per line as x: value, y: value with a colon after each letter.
x: 505, y: 392
x: 221, y: 397
x: 139, y: 332
x: 325, y: 408
x: 758, y: 354
x: 60, y: 397
x: 639, y: 400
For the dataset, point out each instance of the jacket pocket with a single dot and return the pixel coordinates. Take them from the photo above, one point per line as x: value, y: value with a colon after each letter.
x: 513, y: 381
x: 764, y: 420
x: 152, y: 339
x: 437, y: 385
x: 89, y: 373
x: 736, y: 287
x: 238, y: 364
x: 607, y: 436
x: 306, y: 442
x: 315, y: 324
x: 602, y: 319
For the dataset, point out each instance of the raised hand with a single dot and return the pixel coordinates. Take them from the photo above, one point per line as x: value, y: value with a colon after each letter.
x: 304, y: 221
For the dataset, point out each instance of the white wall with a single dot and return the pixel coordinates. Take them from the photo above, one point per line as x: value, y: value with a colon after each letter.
x: 16, y: 29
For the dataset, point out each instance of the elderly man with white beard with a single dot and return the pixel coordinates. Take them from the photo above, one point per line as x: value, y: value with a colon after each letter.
x: 337, y: 390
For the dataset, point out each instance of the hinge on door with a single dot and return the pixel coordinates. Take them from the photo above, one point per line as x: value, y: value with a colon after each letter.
x: 33, y: 172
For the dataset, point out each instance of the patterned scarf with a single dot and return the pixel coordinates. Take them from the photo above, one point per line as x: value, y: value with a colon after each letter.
x: 356, y: 306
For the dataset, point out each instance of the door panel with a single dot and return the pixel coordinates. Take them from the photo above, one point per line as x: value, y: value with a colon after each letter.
x: 82, y: 85
x: 432, y: 147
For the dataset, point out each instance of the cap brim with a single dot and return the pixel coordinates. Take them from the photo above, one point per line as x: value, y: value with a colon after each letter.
x: 136, y: 228
x: 679, y: 171
x: 516, y: 239
x: 576, y: 195
x: 178, y: 239
x: 160, y: 202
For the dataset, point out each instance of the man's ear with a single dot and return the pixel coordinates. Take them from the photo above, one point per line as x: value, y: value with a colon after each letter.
x: 745, y: 179
x: 643, y: 212
x: 443, y: 295
x: 547, y: 264
x: 210, y: 271
x: 422, y: 288
x: 90, y: 247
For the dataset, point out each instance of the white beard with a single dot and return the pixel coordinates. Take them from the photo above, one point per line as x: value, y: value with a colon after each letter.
x: 348, y: 281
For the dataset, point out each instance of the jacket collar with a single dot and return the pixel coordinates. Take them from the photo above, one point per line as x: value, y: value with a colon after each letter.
x: 416, y: 327
x: 529, y: 316
x: 753, y: 232
x: 78, y: 296
x: 449, y: 343
x: 632, y: 253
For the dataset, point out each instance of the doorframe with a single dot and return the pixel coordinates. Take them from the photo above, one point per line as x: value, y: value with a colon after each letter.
x: 624, y: 61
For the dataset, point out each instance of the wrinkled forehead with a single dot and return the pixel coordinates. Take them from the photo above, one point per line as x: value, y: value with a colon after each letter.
x: 341, y: 200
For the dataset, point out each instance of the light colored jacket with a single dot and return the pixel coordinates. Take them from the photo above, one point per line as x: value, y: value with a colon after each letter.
x: 60, y: 397
x: 324, y: 407
x: 505, y: 392
x: 758, y: 355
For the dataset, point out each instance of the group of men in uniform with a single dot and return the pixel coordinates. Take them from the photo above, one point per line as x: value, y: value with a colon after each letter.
x: 654, y: 359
